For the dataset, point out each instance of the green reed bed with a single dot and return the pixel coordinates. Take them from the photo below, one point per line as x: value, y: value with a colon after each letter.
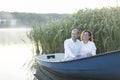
x: 104, y: 24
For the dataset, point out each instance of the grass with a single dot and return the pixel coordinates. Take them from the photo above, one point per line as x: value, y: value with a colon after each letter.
x: 104, y: 24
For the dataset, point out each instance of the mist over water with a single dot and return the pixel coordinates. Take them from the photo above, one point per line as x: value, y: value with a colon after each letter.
x: 14, y: 36
x: 15, y: 51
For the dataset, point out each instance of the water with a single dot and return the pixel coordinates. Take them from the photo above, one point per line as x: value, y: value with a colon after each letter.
x: 15, y: 51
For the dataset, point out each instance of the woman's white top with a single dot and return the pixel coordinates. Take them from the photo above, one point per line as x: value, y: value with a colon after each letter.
x: 71, y: 49
x: 89, y: 47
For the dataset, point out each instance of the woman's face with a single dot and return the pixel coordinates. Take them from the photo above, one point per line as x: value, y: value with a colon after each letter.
x: 85, y: 36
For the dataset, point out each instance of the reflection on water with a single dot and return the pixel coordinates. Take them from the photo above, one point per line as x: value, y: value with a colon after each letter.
x: 13, y: 35
x: 42, y: 72
x: 14, y: 53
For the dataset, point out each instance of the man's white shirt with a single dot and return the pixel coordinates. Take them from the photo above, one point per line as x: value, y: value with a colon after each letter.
x: 72, y: 49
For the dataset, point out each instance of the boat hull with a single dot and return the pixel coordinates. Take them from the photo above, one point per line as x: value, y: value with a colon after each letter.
x: 105, y: 66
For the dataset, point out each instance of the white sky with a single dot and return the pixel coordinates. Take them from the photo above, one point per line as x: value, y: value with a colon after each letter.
x: 53, y: 6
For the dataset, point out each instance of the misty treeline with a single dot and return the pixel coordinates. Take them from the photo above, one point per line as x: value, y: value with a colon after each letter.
x: 16, y: 19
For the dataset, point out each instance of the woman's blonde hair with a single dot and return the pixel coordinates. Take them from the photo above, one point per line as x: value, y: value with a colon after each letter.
x: 90, y: 34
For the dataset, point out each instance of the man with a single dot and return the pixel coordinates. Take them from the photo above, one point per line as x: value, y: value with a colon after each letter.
x: 72, y: 46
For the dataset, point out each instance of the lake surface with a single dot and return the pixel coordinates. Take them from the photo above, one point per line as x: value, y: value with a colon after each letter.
x: 15, y: 51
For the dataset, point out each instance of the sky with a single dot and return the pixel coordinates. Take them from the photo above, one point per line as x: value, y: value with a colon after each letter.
x: 53, y: 6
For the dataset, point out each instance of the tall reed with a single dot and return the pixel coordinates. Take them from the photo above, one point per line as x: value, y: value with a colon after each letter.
x: 104, y: 24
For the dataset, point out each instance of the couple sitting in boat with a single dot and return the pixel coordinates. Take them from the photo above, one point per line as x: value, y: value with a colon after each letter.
x: 75, y: 49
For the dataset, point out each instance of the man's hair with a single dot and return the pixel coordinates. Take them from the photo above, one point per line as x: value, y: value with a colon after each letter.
x: 75, y: 30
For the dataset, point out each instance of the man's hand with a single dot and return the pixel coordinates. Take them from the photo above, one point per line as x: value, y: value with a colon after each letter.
x: 89, y: 54
x: 77, y: 56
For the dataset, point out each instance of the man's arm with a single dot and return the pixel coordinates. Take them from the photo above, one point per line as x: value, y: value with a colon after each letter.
x: 67, y: 49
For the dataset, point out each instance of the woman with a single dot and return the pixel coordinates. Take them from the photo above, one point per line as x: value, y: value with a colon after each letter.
x: 88, y: 47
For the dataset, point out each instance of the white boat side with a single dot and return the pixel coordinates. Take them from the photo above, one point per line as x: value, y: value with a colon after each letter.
x: 56, y: 57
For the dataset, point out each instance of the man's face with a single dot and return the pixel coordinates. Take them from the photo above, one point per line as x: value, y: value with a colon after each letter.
x: 74, y: 35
